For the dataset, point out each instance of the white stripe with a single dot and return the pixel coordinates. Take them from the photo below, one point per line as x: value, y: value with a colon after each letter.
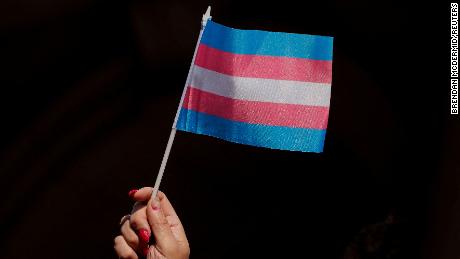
x: 261, y: 89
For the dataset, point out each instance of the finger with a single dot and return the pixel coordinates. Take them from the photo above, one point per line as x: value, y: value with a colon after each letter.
x: 173, y: 219
x: 164, y: 238
x: 129, y: 235
x: 124, y: 218
x: 132, y: 192
x: 166, y: 206
x: 123, y: 250
x: 139, y: 222
x: 143, y: 194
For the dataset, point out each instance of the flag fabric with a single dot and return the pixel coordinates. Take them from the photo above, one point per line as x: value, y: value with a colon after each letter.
x: 260, y: 88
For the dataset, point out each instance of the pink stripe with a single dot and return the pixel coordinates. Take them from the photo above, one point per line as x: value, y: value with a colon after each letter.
x: 283, y: 68
x: 275, y: 114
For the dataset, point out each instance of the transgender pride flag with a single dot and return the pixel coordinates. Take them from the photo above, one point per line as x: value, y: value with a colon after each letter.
x: 266, y: 89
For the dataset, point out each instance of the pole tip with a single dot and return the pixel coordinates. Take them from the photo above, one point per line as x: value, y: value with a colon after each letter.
x: 208, y: 12
x: 206, y: 16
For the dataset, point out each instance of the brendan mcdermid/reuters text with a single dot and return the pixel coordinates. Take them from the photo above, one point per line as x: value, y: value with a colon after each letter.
x: 453, y: 58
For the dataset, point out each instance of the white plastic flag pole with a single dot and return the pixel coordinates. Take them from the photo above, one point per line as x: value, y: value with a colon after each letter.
x: 204, y: 20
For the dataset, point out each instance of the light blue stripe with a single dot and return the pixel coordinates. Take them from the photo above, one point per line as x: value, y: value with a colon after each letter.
x: 267, y: 43
x: 294, y: 139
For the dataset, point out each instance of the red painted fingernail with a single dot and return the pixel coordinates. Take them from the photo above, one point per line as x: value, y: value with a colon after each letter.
x: 145, y: 251
x: 155, y: 204
x: 132, y: 192
x: 144, y: 235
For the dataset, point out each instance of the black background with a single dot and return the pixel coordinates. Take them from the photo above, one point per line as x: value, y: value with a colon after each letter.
x: 89, y: 90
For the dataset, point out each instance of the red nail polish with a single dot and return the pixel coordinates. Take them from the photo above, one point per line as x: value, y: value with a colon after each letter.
x: 155, y: 205
x: 145, y: 251
x: 144, y: 235
x: 132, y: 192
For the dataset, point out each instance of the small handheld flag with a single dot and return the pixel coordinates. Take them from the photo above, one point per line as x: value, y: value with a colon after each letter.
x: 260, y: 88
x: 266, y: 89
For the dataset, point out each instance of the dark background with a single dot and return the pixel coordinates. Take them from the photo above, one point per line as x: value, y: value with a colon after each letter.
x: 89, y: 89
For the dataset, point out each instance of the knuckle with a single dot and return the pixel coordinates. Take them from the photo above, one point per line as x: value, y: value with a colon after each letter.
x: 125, y: 229
x: 130, y: 239
x: 125, y: 226
x: 161, y: 225
x: 163, y: 222
x: 137, y: 222
x: 117, y: 240
x: 158, y: 220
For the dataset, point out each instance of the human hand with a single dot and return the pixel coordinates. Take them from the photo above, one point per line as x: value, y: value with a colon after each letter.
x: 148, y: 216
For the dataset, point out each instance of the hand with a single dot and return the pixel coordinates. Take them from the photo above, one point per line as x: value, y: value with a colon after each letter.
x: 156, y: 216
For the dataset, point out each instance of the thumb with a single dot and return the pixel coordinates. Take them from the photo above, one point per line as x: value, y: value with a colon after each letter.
x: 164, y: 238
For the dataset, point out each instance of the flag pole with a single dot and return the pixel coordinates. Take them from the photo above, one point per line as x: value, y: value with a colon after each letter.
x: 204, y: 20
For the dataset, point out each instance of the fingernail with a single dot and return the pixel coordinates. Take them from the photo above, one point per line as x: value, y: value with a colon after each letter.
x: 144, y: 235
x: 145, y: 251
x: 155, y: 204
x: 132, y: 192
